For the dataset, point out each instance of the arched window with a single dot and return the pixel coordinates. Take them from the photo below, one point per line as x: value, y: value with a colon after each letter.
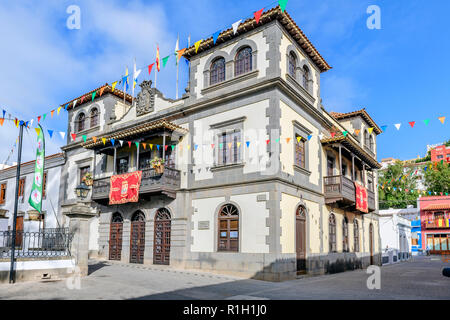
x: 217, y: 73
x: 162, y: 214
x: 138, y: 216
x: 356, y: 234
x: 80, y: 123
x: 306, y: 77
x: 292, y: 64
x: 228, y: 228
x: 332, y: 232
x: 301, y: 212
x: 94, y: 117
x: 345, y: 235
x: 116, y: 218
x: 371, y: 144
x: 243, y: 61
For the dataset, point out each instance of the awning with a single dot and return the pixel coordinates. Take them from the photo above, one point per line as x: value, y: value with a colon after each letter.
x: 437, y: 206
x: 134, y: 131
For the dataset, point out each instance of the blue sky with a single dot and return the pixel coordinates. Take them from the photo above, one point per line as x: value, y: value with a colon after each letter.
x: 399, y: 73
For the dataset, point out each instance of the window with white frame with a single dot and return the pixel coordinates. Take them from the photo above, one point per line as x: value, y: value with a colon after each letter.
x: 229, y: 150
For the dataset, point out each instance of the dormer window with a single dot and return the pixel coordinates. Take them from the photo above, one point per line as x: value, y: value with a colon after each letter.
x: 94, y: 117
x: 243, y: 61
x: 80, y: 122
x: 292, y: 64
x: 217, y: 71
x: 306, y: 78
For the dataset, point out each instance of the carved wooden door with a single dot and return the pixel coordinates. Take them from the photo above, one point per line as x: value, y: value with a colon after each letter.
x: 161, y: 244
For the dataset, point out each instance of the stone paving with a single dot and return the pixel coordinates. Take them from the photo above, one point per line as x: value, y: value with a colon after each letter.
x: 420, y: 278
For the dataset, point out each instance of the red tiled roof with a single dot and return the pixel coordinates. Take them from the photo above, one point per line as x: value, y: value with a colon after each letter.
x: 438, y: 206
x: 270, y: 15
x: 362, y: 112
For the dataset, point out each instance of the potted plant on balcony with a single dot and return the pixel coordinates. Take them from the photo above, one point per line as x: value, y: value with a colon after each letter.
x: 87, y: 179
x: 157, y: 164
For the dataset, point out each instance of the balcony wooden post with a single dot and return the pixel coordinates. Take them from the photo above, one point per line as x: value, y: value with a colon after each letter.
x: 364, y: 174
x: 115, y: 155
x: 137, y: 155
x: 353, y: 167
x: 340, y: 160
x: 164, y: 146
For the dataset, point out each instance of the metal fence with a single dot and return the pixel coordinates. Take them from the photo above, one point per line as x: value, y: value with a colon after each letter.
x: 44, y: 243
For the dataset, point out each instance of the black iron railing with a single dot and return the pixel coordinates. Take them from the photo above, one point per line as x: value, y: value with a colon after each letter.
x: 44, y: 243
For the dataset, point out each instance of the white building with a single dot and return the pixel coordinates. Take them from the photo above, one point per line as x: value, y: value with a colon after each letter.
x: 51, y: 216
x: 395, y: 233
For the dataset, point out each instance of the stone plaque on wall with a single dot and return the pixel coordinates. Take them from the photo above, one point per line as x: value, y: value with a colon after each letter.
x: 203, y: 225
x: 145, y: 100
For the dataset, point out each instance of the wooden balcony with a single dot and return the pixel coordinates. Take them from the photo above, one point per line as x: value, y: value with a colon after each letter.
x: 434, y: 224
x: 341, y: 190
x: 166, y: 183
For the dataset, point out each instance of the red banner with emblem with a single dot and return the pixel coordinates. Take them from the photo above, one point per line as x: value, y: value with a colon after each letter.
x: 125, y: 188
x: 362, y: 203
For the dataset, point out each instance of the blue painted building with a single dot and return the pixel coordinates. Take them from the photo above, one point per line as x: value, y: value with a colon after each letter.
x: 416, y: 237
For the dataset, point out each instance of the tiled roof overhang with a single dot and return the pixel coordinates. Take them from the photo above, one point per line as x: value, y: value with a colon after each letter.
x: 438, y: 206
x: 273, y: 14
x: 139, y: 129
x: 354, y: 147
x: 88, y: 96
x: 363, y: 113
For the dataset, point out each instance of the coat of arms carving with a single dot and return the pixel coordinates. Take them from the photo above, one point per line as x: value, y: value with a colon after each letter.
x: 145, y: 100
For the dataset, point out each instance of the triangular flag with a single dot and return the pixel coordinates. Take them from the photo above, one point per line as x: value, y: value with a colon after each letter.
x: 84, y: 138
x: 150, y: 68
x: 397, y: 125
x: 157, y: 146
x: 215, y: 36
x: 101, y: 91
x: 247, y: 143
x: 94, y: 139
x: 62, y: 134
x: 238, y: 144
x: 180, y: 53
x: 267, y: 141
x: 288, y: 139
x: 39, y: 119
x: 212, y: 145
x: 93, y: 95
x: 113, y: 86
x: 165, y: 147
x: 196, y: 147
x: 412, y: 123
x: 74, y: 136
x: 151, y: 146
x: 38, y: 130
x: 309, y: 137
x: 164, y: 60
x: 370, y: 130
x: 299, y: 138
x: 121, y: 143
x: 137, y: 144
x: 82, y: 99
x: 104, y: 141
x: 52, y: 112
x: 383, y: 128
x: 74, y: 103
x: 236, y: 25
x: 442, y: 119
x: 333, y: 134
x: 258, y: 14
x: 1, y: 121
x: 282, y: 4
x: 357, y: 131
x: 345, y: 133
x: 129, y: 144
x: 113, y: 141
x: 320, y: 136
x: 50, y: 133
x: 426, y: 121
x: 173, y: 147
x: 197, y: 45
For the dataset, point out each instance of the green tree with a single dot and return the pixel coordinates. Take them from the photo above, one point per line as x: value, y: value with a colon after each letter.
x: 437, y: 179
x: 396, y: 183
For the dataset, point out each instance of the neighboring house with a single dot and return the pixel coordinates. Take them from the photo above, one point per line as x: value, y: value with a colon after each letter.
x: 395, y: 232
x: 440, y: 153
x: 435, y: 224
x: 248, y: 186
x: 51, y: 216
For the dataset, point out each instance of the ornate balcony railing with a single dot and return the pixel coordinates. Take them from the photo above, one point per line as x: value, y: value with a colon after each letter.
x: 434, y: 224
x: 44, y: 243
x: 151, y: 181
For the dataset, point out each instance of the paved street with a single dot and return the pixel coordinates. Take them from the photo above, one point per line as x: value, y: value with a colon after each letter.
x: 419, y: 279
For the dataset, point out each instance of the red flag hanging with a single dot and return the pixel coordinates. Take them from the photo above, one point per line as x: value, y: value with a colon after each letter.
x: 258, y: 14
x: 39, y: 119
x: 74, y: 136
x: 129, y: 144
x: 82, y: 98
x: 361, y: 198
x: 125, y: 188
x: 412, y: 123
x: 333, y: 134
x: 150, y: 68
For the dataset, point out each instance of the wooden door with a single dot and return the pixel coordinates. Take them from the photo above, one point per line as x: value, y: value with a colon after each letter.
x: 330, y: 166
x: 137, y: 238
x: 115, y: 240
x: 371, y: 243
x: 300, y: 239
x: 161, y: 244
x: 19, y: 231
